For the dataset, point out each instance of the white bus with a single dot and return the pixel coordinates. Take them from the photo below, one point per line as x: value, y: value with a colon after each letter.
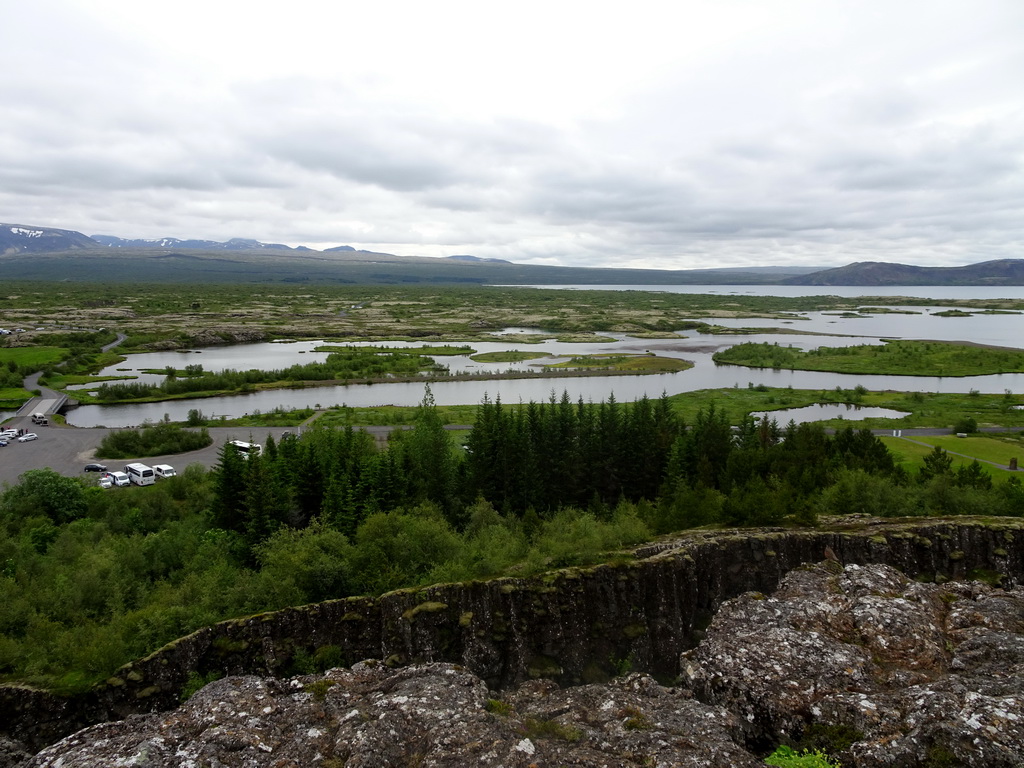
x: 247, y: 449
x: 140, y: 474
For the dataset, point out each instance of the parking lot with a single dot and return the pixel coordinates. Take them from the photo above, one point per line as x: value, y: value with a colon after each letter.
x: 67, y: 449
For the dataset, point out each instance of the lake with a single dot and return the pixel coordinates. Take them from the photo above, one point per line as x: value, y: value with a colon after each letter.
x: 825, y: 411
x: 1000, y: 330
x: 937, y: 292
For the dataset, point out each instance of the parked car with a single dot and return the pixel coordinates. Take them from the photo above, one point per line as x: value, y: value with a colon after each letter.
x: 106, y: 481
x: 164, y: 470
x: 95, y: 468
x: 28, y: 436
x: 3, y: 443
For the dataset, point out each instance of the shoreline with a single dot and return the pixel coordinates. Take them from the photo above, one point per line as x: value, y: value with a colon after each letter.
x: 547, y: 374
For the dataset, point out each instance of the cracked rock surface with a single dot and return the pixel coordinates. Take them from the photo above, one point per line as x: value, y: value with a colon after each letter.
x: 909, y: 674
x: 921, y: 673
x: 426, y: 715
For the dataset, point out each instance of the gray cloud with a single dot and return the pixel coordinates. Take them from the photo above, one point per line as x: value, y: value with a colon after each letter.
x: 794, y: 132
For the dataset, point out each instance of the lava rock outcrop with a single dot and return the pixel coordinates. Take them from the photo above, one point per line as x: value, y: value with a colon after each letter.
x: 912, y: 674
x: 906, y: 673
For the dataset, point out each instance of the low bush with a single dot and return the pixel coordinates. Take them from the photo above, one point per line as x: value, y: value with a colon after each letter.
x: 157, y: 440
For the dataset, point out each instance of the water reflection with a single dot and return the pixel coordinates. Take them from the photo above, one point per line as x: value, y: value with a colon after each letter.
x: 826, y: 411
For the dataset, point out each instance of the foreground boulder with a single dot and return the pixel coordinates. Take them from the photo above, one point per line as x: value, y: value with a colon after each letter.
x: 883, y: 670
x: 425, y: 715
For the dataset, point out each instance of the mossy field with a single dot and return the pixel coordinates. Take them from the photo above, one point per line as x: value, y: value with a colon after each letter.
x: 168, y: 316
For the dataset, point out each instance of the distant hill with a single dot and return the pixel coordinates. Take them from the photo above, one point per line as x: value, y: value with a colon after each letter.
x: 234, y: 244
x: 17, y: 238
x: 40, y: 253
x: 1001, y: 272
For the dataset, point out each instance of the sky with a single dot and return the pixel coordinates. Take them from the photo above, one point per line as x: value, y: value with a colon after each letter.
x: 668, y: 135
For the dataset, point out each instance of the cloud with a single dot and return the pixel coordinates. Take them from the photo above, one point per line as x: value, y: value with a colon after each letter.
x: 701, y: 134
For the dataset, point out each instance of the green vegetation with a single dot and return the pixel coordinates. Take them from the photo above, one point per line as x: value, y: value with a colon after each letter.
x: 346, y: 364
x: 906, y: 358
x: 398, y: 415
x: 91, y: 579
x: 618, y: 362
x: 13, y: 397
x: 31, y: 358
x: 508, y: 356
x: 535, y: 728
x: 155, y: 440
x: 176, y: 316
x: 787, y: 757
x: 995, y: 450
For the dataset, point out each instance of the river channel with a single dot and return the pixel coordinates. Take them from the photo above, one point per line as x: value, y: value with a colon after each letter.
x: 1001, y: 330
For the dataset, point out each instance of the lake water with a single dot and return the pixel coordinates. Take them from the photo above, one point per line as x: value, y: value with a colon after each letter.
x: 1001, y: 330
x: 824, y: 411
x: 938, y: 292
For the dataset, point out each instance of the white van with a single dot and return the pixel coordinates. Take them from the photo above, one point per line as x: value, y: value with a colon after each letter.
x: 139, y: 473
x: 120, y: 479
x: 164, y: 470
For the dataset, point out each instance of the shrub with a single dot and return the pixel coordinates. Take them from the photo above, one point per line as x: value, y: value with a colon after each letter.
x: 787, y: 757
x: 966, y: 424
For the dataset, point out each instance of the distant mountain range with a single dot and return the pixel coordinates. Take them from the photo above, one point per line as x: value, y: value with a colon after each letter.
x: 39, y: 253
x: 234, y: 244
x: 15, y: 238
x: 1000, y: 272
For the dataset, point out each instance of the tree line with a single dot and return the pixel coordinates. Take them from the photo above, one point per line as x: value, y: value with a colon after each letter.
x: 90, y: 579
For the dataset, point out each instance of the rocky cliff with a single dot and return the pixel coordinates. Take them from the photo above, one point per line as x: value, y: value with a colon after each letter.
x: 875, y: 668
x: 578, y: 626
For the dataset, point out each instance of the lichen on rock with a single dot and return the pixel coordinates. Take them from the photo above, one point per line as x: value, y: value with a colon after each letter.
x: 917, y: 670
x: 429, y: 715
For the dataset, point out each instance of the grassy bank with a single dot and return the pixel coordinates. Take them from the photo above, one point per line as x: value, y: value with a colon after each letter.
x: 901, y: 358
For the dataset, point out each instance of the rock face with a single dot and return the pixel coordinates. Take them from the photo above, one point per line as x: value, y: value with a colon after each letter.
x: 574, y: 626
x: 912, y: 674
x: 430, y: 715
x: 903, y: 673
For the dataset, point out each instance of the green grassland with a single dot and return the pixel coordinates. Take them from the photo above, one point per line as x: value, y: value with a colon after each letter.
x: 982, y: 447
x: 906, y: 358
x: 32, y: 357
x: 648, y: 363
x: 13, y: 397
x: 507, y: 356
x: 911, y: 452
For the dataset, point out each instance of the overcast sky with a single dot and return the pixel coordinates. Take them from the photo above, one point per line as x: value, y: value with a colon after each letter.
x: 662, y: 134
